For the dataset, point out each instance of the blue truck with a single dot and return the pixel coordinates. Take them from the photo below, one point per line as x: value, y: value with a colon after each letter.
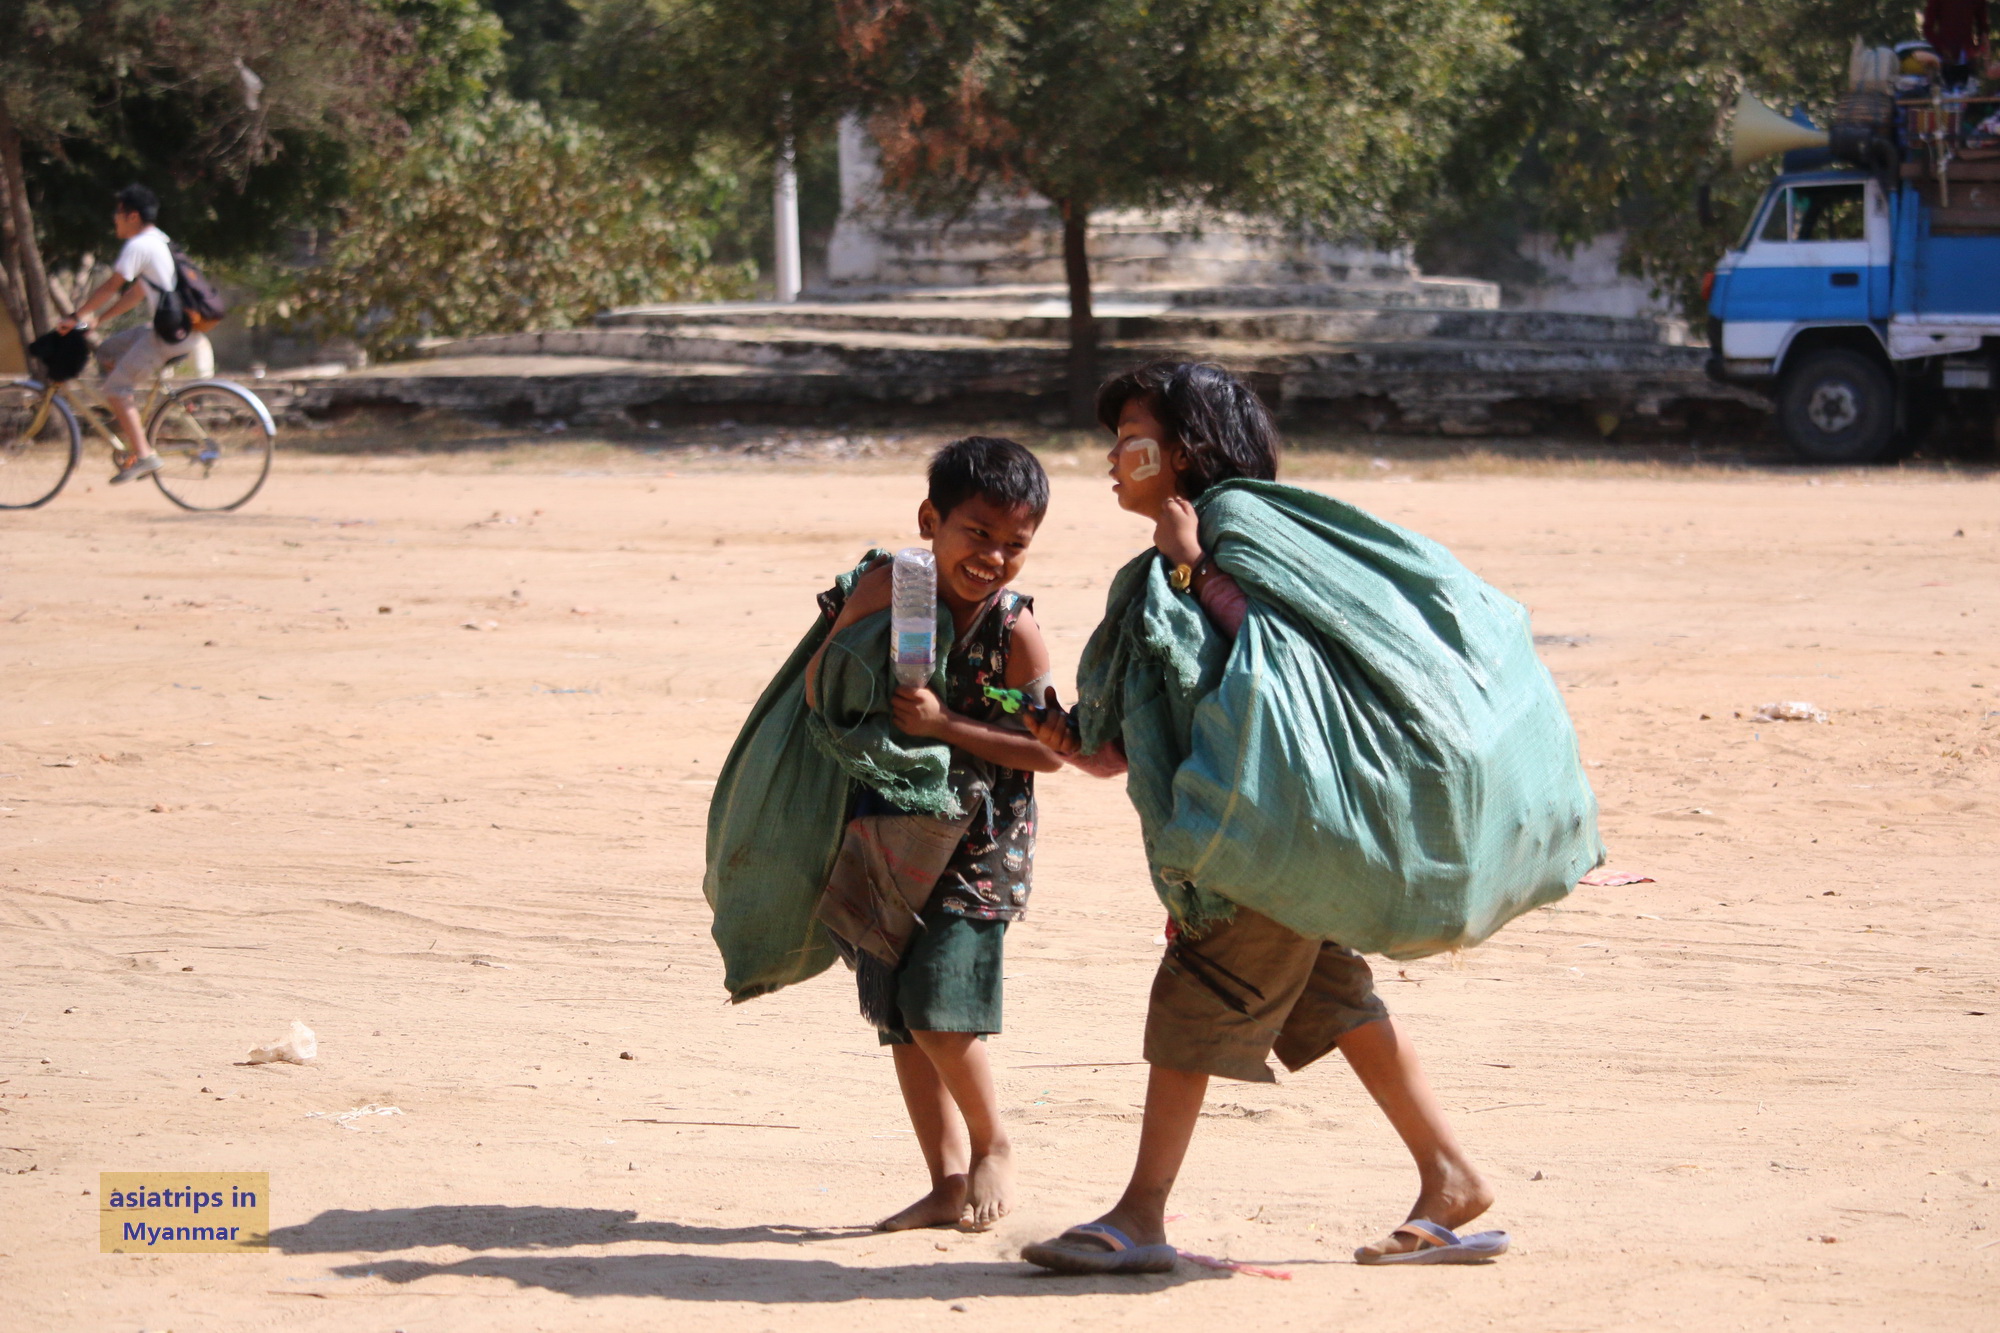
x: 1866, y: 303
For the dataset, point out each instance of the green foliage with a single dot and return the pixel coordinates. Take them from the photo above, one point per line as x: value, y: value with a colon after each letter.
x: 457, y: 49
x: 728, y: 80
x: 541, y: 41
x: 1321, y: 112
x: 107, y: 92
x: 342, y: 66
x: 504, y: 218
x: 1614, y: 115
x: 689, y: 73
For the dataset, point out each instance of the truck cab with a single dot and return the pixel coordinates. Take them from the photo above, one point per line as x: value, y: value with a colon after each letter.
x: 1860, y: 303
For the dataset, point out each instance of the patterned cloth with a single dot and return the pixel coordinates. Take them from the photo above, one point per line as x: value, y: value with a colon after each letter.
x: 989, y: 876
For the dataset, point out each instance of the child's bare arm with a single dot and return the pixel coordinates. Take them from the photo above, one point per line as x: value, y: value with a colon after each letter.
x: 871, y: 594
x: 922, y: 713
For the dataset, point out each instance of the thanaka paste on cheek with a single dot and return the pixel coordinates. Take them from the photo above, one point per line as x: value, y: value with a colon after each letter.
x: 1147, y: 454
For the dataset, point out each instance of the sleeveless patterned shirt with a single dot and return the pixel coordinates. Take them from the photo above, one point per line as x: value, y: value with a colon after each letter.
x: 990, y: 874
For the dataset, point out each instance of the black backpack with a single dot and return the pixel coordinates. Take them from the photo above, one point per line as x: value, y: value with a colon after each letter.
x: 195, y: 305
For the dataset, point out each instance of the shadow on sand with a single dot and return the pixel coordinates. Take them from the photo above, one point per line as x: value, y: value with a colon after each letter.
x: 697, y: 1277
x: 493, y: 1226
x: 703, y: 1277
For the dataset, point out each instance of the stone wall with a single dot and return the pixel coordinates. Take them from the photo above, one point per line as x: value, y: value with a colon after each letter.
x: 1015, y: 241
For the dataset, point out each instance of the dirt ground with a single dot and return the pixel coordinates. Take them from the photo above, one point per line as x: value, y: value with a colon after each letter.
x: 418, y: 749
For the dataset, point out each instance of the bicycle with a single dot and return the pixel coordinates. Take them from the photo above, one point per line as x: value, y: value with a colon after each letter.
x: 214, y: 438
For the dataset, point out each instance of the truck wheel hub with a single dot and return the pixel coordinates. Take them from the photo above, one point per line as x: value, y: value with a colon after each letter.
x: 1834, y: 407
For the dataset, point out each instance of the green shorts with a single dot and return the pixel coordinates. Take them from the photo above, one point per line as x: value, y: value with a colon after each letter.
x: 1224, y: 1000
x: 949, y: 979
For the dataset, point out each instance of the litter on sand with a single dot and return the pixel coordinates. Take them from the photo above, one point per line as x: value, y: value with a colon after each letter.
x: 1790, y: 710
x: 1231, y: 1266
x: 1605, y: 879
x: 346, y: 1119
x: 295, y: 1049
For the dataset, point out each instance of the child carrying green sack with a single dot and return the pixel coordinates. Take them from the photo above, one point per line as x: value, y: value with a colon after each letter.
x: 1339, y: 741
x: 895, y: 826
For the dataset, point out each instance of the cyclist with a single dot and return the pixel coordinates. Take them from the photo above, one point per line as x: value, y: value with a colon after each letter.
x: 144, y: 270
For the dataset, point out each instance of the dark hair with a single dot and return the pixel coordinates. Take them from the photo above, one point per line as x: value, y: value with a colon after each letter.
x: 1221, y: 425
x: 998, y: 471
x: 138, y: 199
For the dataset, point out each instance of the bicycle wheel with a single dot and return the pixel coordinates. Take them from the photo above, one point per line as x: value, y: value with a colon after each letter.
x: 214, y: 442
x: 39, y: 446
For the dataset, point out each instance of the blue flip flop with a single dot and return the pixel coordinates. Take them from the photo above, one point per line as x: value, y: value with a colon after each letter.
x: 1122, y: 1257
x: 1440, y: 1245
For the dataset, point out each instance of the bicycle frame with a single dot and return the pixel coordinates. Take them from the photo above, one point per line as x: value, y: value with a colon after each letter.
x: 90, y: 411
x: 90, y: 407
x: 192, y: 426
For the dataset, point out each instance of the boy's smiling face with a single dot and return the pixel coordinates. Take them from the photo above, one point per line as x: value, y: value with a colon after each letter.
x: 980, y: 547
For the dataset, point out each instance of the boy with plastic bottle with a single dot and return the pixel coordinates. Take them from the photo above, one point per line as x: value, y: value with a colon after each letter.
x: 942, y: 995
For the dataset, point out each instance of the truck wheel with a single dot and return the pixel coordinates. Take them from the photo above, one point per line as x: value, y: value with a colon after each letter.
x: 1838, y: 406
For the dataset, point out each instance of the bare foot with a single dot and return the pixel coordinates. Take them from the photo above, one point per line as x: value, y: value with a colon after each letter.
x: 991, y: 1192
x: 1458, y: 1198
x: 942, y: 1207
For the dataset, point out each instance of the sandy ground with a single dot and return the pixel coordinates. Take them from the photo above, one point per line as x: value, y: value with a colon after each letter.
x: 418, y: 750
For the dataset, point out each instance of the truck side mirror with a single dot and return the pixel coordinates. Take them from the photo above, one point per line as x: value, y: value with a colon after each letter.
x: 1704, y: 205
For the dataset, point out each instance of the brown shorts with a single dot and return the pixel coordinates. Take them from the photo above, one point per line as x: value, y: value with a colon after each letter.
x: 1225, y: 1000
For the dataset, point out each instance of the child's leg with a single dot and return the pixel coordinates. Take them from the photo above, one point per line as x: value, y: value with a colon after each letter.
x: 959, y: 1059
x: 940, y: 1135
x: 1173, y: 1104
x: 1450, y: 1191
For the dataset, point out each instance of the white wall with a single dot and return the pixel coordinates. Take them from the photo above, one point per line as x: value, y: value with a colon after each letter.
x: 1585, y: 281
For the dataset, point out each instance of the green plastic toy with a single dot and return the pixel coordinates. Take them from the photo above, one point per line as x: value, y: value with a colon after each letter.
x: 1010, y: 701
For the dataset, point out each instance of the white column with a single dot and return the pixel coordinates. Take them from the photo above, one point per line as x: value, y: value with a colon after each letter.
x: 854, y: 251
x: 785, y: 224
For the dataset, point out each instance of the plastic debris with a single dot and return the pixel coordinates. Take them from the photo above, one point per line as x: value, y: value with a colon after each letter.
x: 1611, y: 879
x: 346, y: 1119
x: 1231, y: 1266
x: 1791, y: 710
x: 295, y: 1049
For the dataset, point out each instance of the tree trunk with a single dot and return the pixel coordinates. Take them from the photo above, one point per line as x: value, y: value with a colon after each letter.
x: 1082, y: 321
x: 26, y: 259
x: 13, y: 294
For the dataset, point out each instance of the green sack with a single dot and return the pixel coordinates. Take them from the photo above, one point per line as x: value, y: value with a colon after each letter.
x: 784, y: 795
x: 1379, y: 758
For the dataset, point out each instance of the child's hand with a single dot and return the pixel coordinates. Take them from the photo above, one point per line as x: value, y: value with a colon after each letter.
x: 1051, y: 726
x: 918, y: 710
x: 1178, y: 532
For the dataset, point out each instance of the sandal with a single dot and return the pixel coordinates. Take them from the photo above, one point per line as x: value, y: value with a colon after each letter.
x: 1440, y: 1245
x: 1104, y: 1249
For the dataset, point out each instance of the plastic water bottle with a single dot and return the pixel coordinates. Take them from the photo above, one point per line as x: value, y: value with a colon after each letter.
x: 913, y: 616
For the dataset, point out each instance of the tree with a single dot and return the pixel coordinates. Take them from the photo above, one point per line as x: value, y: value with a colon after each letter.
x: 755, y: 79
x: 501, y: 218
x: 687, y: 73
x: 1321, y: 113
x: 208, y: 97
x: 541, y: 46
x: 1613, y: 116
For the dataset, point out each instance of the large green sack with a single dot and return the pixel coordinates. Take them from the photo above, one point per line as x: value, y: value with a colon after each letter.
x: 784, y: 795
x: 1380, y: 758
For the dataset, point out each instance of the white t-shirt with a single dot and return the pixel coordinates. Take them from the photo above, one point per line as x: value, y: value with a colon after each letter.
x: 147, y: 256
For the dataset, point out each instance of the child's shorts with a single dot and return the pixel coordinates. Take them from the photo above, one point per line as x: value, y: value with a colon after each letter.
x: 1225, y: 1000
x: 949, y: 979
